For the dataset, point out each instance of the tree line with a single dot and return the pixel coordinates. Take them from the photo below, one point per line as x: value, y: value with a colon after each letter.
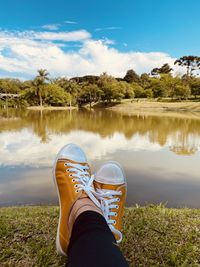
x: 89, y: 89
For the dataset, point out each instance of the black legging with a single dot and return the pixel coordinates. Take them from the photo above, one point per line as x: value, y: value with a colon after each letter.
x: 92, y: 244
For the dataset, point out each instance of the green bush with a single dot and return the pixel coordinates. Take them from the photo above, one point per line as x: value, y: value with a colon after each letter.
x: 56, y: 96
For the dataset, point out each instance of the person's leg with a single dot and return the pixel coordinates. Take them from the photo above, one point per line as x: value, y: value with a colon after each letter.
x: 92, y: 243
x: 87, y: 216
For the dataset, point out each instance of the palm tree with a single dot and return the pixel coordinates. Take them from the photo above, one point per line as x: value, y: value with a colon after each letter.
x: 39, y: 83
x: 43, y: 75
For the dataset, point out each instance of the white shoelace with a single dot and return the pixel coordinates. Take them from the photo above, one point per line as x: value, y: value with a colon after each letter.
x: 108, y: 202
x: 85, y: 181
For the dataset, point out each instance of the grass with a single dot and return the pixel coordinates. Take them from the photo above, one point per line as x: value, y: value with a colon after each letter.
x: 128, y: 106
x: 153, y: 236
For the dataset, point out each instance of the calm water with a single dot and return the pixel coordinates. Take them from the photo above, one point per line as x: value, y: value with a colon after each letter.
x: 160, y: 154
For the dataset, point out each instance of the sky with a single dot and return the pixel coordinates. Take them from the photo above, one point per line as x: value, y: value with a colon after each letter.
x: 80, y: 37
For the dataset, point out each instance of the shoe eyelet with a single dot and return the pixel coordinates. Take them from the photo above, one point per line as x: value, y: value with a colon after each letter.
x: 73, y: 180
x: 67, y: 170
x: 70, y: 174
x: 77, y: 191
x: 120, y: 193
x: 114, y: 222
x: 117, y: 207
x: 118, y: 199
x: 75, y: 185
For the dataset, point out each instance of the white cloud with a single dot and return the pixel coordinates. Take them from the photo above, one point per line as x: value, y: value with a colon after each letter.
x: 70, y: 22
x: 62, y: 36
x: 107, y: 41
x: 51, y: 27
x: 65, y: 36
x: 25, y: 52
x: 108, y: 28
x: 116, y: 63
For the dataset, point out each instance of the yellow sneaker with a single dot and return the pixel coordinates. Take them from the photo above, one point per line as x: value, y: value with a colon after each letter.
x: 73, y: 181
x: 110, y: 186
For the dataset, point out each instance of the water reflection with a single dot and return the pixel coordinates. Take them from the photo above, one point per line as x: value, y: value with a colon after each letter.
x: 160, y: 153
x: 183, y: 133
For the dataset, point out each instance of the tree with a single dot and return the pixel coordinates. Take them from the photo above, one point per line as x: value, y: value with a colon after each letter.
x: 145, y: 80
x: 158, y: 89
x: 42, y: 76
x: 181, y: 91
x: 191, y: 63
x: 39, y: 83
x: 38, y: 89
x: 126, y: 89
x: 90, y: 93
x: 10, y: 86
x: 195, y: 87
x: 155, y: 71
x: 168, y: 83
x: 148, y: 93
x: 131, y: 76
x: 86, y: 79
x: 72, y: 87
x: 138, y: 90
x: 165, y: 69
x: 110, y: 88
x: 56, y: 96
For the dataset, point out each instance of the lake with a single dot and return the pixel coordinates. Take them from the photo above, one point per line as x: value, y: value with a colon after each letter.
x: 160, y: 153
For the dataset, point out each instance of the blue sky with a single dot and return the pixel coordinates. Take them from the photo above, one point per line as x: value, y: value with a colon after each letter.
x: 143, y: 32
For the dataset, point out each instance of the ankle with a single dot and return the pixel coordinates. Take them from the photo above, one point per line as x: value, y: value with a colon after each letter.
x: 80, y: 206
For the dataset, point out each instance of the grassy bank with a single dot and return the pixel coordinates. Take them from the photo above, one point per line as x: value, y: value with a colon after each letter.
x: 128, y: 106
x: 153, y: 236
x: 131, y: 106
x: 50, y: 108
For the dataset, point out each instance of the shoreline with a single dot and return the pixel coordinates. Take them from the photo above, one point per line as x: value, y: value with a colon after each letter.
x: 128, y: 106
x: 50, y: 108
x: 182, y: 110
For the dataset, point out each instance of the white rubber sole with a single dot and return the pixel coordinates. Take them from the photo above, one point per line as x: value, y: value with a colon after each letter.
x: 58, y: 246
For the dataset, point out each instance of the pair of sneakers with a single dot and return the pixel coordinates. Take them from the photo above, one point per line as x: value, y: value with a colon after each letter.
x: 73, y: 180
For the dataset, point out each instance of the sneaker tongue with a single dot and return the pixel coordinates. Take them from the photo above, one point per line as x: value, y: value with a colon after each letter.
x: 106, y: 186
x: 80, y: 163
x: 83, y: 195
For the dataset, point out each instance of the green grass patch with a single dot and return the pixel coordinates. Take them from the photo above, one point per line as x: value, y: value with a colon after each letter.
x: 153, y: 236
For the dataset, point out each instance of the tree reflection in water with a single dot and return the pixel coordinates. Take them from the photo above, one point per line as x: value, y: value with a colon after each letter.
x: 183, y: 133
